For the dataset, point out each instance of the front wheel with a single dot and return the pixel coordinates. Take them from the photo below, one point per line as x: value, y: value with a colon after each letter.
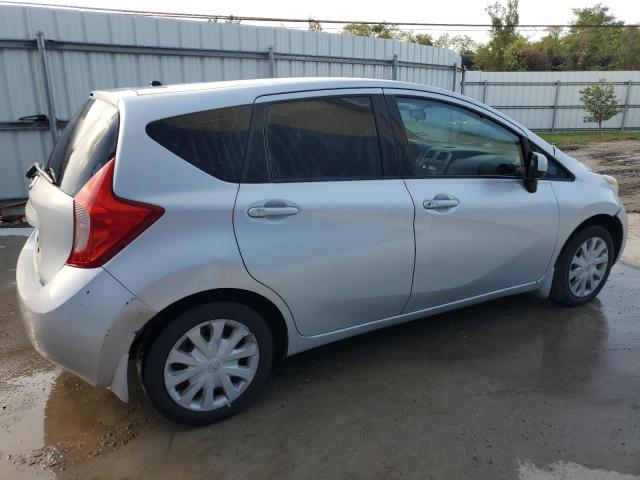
x: 583, y: 267
x: 206, y: 364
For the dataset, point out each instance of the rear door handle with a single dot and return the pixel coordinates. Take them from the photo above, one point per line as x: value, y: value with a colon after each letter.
x: 262, y: 212
x: 440, y: 203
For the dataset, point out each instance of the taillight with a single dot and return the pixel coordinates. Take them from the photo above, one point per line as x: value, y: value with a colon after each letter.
x: 103, y: 223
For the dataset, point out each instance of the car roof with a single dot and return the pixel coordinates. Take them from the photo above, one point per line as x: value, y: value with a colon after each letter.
x: 286, y: 84
x: 270, y: 86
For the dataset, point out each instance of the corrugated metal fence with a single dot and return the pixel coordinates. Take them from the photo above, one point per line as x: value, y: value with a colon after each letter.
x: 50, y: 74
x: 85, y: 51
x: 551, y: 100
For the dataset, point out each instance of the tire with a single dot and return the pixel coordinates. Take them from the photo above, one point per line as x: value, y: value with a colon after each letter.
x: 230, y: 393
x: 563, y: 289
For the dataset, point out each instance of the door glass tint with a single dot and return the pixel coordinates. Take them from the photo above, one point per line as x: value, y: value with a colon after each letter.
x: 323, y: 139
x: 87, y: 143
x: 214, y: 141
x: 445, y: 140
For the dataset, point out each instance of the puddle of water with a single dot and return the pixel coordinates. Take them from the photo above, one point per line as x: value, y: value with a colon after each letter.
x: 22, y: 422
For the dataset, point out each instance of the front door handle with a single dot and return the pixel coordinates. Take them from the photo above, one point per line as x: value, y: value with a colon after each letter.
x: 262, y: 212
x: 441, y: 202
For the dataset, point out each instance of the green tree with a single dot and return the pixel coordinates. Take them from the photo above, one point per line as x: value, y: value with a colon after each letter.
x: 588, y: 48
x: 516, y: 56
x: 376, y: 30
x: 600, y: 102
x: 550, y: 51
x: 421, y: 39
x: 315, y: 26
x: 387, y: 31
x: 463, y: 44
x: 504, y: 21
x: 629, y: 50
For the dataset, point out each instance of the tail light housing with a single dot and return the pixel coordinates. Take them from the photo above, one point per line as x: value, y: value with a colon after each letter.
x: 103, y: 223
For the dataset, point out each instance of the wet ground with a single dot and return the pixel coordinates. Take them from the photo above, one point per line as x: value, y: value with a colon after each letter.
x: 515, y: 388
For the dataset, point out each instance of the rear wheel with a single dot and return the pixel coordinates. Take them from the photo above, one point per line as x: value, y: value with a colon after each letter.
x: 208, y: 362
x: 583, y: 266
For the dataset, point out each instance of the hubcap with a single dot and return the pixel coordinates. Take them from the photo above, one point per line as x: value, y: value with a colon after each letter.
x: 588, y: 267
x: 211, y: 365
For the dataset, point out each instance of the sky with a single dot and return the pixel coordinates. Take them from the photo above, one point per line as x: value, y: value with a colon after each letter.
x: 440, y: 11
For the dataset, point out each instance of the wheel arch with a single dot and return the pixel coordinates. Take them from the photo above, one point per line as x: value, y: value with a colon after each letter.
x: 610, y: 222
x: 263, y: 306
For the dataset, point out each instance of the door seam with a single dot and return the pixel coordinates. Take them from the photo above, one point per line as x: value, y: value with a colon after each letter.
x: 415, y: 248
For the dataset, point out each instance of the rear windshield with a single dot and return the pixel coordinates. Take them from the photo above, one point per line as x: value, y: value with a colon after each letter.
x: 87, y: 143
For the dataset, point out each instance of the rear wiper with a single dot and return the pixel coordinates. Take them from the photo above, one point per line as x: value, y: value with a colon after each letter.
x: 36, y: 168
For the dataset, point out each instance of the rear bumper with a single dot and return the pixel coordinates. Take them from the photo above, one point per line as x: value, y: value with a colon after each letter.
x: 83, y: 319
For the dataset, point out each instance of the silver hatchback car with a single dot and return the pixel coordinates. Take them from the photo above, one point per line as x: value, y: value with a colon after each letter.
x: 209, y: 230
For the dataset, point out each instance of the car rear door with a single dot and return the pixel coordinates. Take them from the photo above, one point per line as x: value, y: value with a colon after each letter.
x: 87, y: 143
x: 478, y: 230
x: 322, y: 217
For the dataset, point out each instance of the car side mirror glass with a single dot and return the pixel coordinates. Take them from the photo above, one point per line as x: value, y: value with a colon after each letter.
x: 539, y: 165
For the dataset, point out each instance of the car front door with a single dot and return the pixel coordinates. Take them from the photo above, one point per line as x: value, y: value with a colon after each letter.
x: 478, y: 230
x: 322, y: 217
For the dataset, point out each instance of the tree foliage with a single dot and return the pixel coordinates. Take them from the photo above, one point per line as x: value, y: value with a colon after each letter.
x: 504, y: 21
x: 376, y: 30
x: 600, y: 102
x: 589, y: 48
x: 463, y: 44
x: 611, y: 45
x: 315, y: 26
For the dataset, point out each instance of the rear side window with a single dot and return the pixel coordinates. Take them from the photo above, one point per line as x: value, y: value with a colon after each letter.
x: 323, y: 139
x: 214, y: 141
x: 87, y: 143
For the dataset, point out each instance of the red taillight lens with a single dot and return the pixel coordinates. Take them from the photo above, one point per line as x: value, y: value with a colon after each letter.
x: 103, y: 224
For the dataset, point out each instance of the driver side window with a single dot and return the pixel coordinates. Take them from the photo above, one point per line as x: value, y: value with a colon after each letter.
x: 445, y: 140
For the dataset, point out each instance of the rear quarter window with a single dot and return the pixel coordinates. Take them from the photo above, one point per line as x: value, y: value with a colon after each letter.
x: 87, y: 143
x: 214, y: 141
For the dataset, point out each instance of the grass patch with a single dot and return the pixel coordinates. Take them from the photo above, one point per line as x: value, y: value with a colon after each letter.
x: 580, y: 138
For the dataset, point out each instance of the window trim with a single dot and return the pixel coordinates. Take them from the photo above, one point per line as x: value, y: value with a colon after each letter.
x: 257, y: 156
x: 402, y: 142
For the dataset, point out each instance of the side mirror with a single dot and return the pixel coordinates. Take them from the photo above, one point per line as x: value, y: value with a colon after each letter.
x: 538, y: 165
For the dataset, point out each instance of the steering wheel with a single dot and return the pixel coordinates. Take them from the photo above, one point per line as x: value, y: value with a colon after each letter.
x: 421, y: 163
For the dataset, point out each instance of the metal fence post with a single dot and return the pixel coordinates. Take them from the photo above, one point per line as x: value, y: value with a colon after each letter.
x: 48, y: 92
x: 272, y: 62
x: 626, y: 105
x: 484, y: 92
x: 454, y: 71
x: 394, y: 67
x: 555, y: 107
x: 462, y: 74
